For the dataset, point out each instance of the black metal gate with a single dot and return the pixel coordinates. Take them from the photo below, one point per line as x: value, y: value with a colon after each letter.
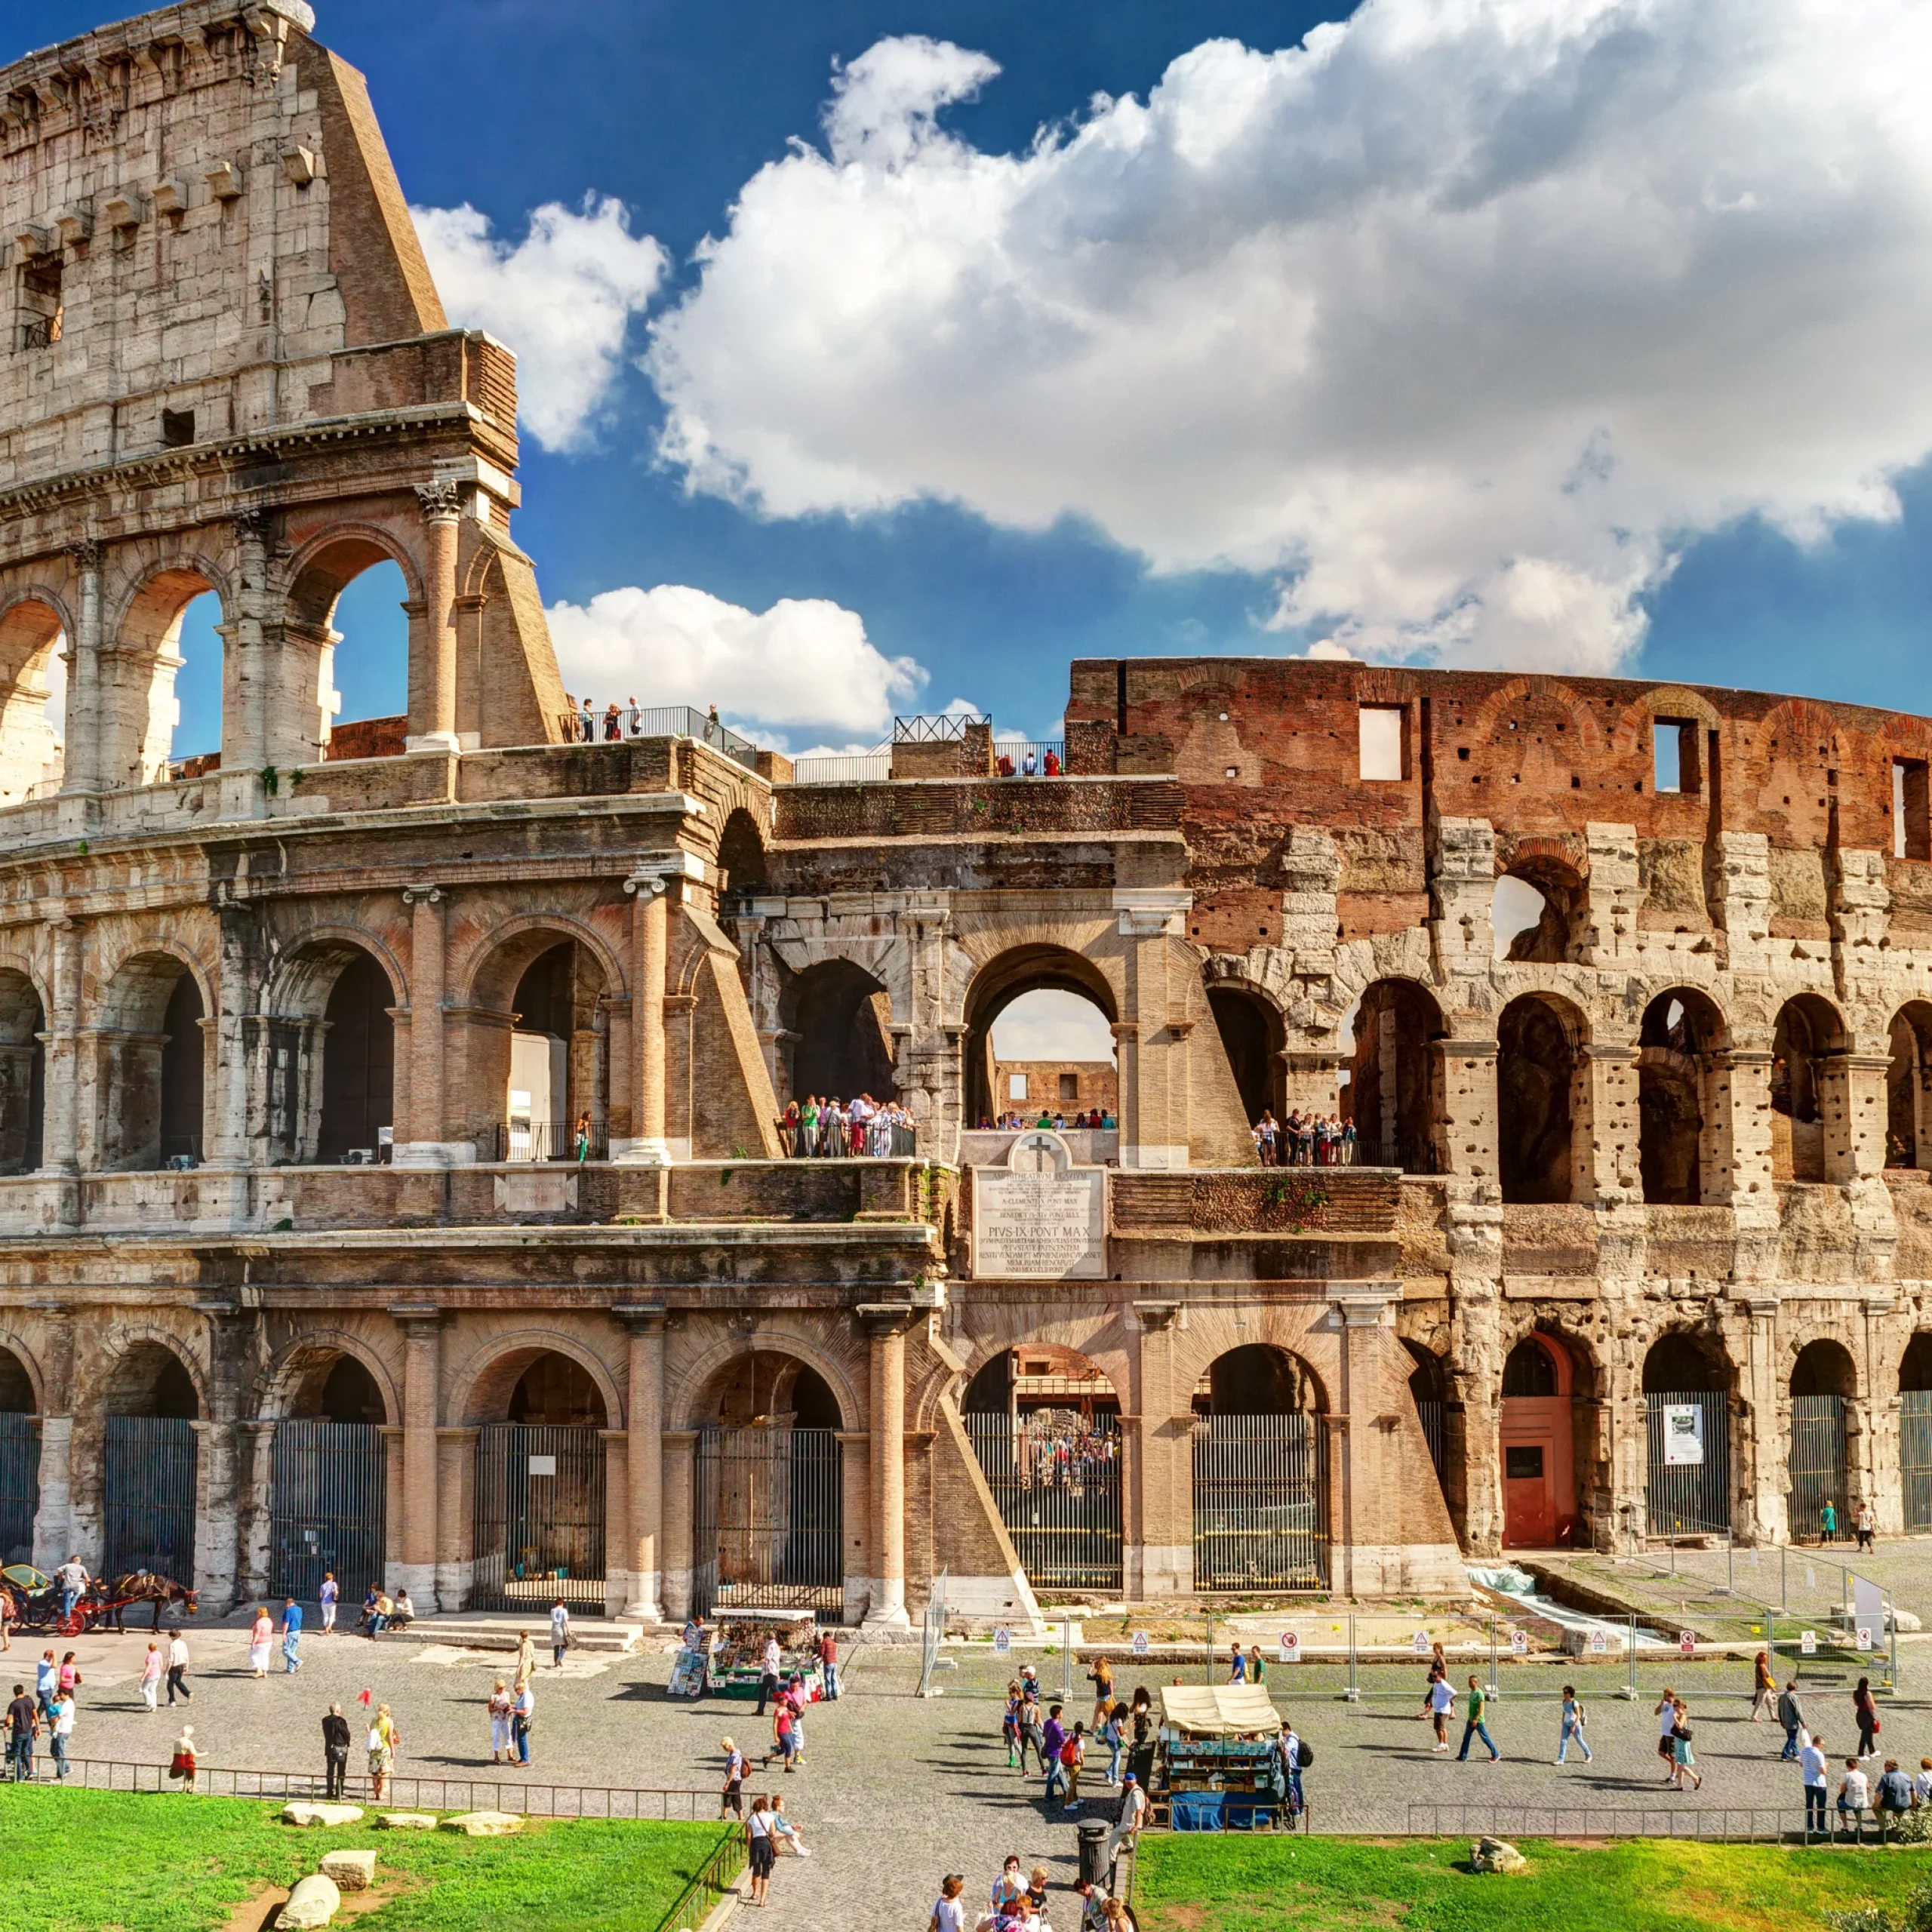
x: 1816, y: 1463
x: 1260, y: 1502
x: 1055, y: 1474
x: 148, y: 1496
x: 767, y: 1518
x: 327, y: 1492
x: 1434, y: 1418
x: 20, y: 1487
x: 1915, y: 1456
x: 1687, y: 1485
x: 540, y: 1516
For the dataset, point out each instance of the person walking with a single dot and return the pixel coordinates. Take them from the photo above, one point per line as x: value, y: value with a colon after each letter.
x: 60, y: 1729
x: 1811, y: 1769
x: 1113, y: 1734
x: 1102, y: 1678
x: 335, y: 1751
x: 499, y: 1722
x: 560, y: 1632
x: 1791, y: 1715
x: 1053, y: 1736
x: 67, y: 1678
x: 828, y: 1664
x: 1009, y: 1726
x: 1440, y: 1707
x: 1033, y: 1726
x: 731, y: 1793
x: 1683, y: 1760
x: 769, y: 1664
x: 46, y: 1681
x: 949, y: 1909
x: 1665, y: 1714
x: 186, y: 1762
x: 526, y: 1658
x: 260, y: 1633
x: 177, y: 1669
x: 22, y: 1727
x: 1257, y: 1667
x: 1867, y: 1712
x: 292, y: 1636
x: 1474, y: 1727
x: 153, y: 1665
x: 1572, y: 1726
x: 1828, y: 1522
x: 1763, y: 1688
x: 1921, y: 1786
x: 523, y: 1720
x: 782, y: 1742
x: 758, y: 1843
x: 328, y: 1596
x: 1237, y: 1665
x: 1072, y: 1755
x: 1140, y: 1750
x: 381, y: 1745
x: 1864, y: 1524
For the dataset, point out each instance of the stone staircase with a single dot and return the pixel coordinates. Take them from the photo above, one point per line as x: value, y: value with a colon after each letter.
x: 489, y: 1630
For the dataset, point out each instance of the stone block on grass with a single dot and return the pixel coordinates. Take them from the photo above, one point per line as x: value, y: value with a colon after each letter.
x: 1496, y: 1855
x: 484, y: 1824
x: 406, y: 1821
x: 314, y: 1901
x: 307, y: 1812
x: 352, y: 1871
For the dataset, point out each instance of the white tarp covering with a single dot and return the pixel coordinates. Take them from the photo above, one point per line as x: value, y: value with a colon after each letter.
x: 1219, y: 1710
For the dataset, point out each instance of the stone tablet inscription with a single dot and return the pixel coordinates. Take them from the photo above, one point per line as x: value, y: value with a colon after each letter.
x: 1039, y: 1218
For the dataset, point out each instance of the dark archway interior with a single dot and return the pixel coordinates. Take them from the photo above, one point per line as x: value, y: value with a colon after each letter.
x: 1530, y: 1370
x: 1394, y: 1089
x: 23, y: 1075
x: 1807, y: 1033
x: 554, y: 1388
x: 1680, y: 1030
x: 1680, y: 1364
x: 1822, y: 1368
x: 1535, y: 1067
x: 841, y: 1015
x: 741, y: 857
x: 1915, y: 1368
x: 544, y: 1001
x: 1906, y: 1082
x: 1557, y: 934
x: 16, y: 1385
x: 768, y: 1385
x: 349, y: 1394
x: 182, y: 1064
x: 1428, y: 1380
x: 358, y: 1061
x: 1251, y: 1037
x: 1257, y: 1379
x: 150, y: 1381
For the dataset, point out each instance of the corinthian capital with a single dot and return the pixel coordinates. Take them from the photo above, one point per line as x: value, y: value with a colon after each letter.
x: 442, y: 502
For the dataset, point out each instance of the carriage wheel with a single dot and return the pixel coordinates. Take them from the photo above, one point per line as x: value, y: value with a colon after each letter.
x: 74, y: 1624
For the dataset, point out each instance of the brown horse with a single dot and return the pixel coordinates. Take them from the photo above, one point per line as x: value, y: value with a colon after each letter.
x: 146, y: 1587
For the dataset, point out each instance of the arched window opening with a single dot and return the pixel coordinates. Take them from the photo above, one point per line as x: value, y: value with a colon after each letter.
x: 1687, y: 1399
x: 1915, y: 1431
x: 23, y: 1075
x: 1539, y: 1070
x: 539, y: 1506
x: 349, y: 608
x: 1823, y: 1383
x: 349, y: 1394
x: 1808, y: 1035
x: 1260, y: 1473
x: 842, y: 1018
x: 1033, y: 1015
x: 541, y: 1080
x: 1429, y: 1388
x: 1529, y: 1371
x: 1539, y: 912
x: 1251, y: 1036
x: 152, y: 1051
x: 1681, y: 1034
x: 1393, y: 1092
x: 358, y: 1063
x: 741, y: 862
x: 1045, y: 1422
x: 33, y: 701
x: 768, y: 1504
x: 184, y: 1074
x: 147, y: 1465
x: 1908, y: 1088
x: 187, y: 695
x: 20, y: 1460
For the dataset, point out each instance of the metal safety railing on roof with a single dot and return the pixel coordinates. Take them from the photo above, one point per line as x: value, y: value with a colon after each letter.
x: 611, y: 724
x: 935, y: 727
x: 854, y: 768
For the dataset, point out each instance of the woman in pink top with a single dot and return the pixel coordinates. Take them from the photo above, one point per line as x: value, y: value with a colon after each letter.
x: 259, y: 1634
x: 152, y: 1666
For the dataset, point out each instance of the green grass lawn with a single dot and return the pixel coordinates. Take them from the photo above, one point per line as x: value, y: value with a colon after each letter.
x: 97, y: 1861
x: 1210, y: 1882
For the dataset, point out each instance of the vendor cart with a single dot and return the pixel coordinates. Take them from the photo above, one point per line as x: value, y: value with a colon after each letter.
x: 1216, y: 1765
x: 735, y: 1651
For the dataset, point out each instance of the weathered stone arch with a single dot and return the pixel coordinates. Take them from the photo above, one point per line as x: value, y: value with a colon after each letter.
x: 698, y: 1376
x: 497, y: 1362
x: 276, y: 1387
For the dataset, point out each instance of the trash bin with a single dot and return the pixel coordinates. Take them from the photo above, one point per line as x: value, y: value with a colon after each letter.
x: 1094, y: 1833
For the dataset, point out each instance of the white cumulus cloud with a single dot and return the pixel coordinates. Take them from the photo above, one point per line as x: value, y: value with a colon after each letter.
x: 562, y: 298
x: 805, y: 662
x: 1460, y: 317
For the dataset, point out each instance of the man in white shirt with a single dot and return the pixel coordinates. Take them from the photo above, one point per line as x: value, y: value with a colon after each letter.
x: 560, y: 1632
x: 1854, y: 1798
x: 1441, y: 1702
x: 178, y: 1668
x: 768, y: 1668
x: 1811, y: 1768
x: 1133, y: 1814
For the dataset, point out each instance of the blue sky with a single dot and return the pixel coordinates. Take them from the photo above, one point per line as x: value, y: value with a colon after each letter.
x: 1790, y: 557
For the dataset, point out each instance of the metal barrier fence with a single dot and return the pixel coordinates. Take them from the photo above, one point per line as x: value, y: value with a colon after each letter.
x: 1260, y: 1502
x: 538, y: 1516
x: 20, y: 1486
x: 717, y: 1876
x: 1687, y: 1485
x: 768, y: 1518
x: 548, y: 1140
x: 1915, y: 1456
x: 1026, y: 758
x: 859, y: 768
x: 609, y: 724
x: 662, y: 1804
x: 328, y: 1491
x: 1815, y: 1462
x: 1731, y: 1824
x: 148, y: 1477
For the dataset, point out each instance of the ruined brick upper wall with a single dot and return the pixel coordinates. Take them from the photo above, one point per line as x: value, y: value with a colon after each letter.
x: 1540, y: 756
x: 199, y: 214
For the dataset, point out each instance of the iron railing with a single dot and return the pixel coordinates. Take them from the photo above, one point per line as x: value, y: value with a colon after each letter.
x: 548, y: 1140
x: 768, y: 1524
x: 1260, y: 1502
x: 1026, y: 758
x: 148, y: 1496
x: 1301, y: 1151
x: 1685, y: 1497
x: 1731, y: 1824
x: 1433, y: 1418
x: 539, y: 1516
x: 1816, y: 1462
x: 716, y: 1877
x: 660, y: 1804
x: 857, y: 768
x: 327, y: 1487
x: 43, y: 332
x: 20, y: 1486
x: 607, y: 724
x: 1915, y: 1456
x: 900, y: 1141
x: 1056, y: 1474
x: 935, y: 727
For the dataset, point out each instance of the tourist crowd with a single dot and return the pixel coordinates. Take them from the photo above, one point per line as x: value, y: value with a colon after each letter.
x: 831, y: 1129
x: 1012, y: 1122
x: 1304, y: 1140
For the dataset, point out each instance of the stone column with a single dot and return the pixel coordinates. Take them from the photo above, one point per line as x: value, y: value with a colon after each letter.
x: 1611, y: 1166
x: 1164, y: 1464
x: 1764, y: 1488
x: 82, y: 768
x: 1156, y: 1103
x: 678, y: 1558
x: 432, y: 679
x: 886, y: 1325
x: 644, y: 1400
x: 53, y: 1526
x: 425, y: 1144
x: 455, y: 1515
x: 1359, y: 1544
x: 656, y: 880
x: 927, y: 1069
x: 228, y: 1035
x: 855, y: 1502
x: 217, y: 1513
x: 253, y: 1523
x: 60, y: 1133
x: 246, y: 698
x: 421, y: 1324
x: 1469, y: 1108
x: 1853, y: 1097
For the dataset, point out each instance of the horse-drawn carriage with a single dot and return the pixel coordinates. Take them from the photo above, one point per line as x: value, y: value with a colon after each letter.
x: 38, y: 1603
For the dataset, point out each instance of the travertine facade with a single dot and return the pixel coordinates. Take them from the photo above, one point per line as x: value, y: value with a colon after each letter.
x: 419, y: 1077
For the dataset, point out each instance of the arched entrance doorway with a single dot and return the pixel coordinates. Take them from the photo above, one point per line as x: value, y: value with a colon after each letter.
x: 1823, y: 1383
x: 1429, y: 1388
x: 842, y: 1018
x: 19, y: 1461
x: 1252, y: 1037
x: 1687, y: 1400
x: 1045, y: 1424
x: 1067, y: 1032
x: 768, y: 1511
x: 1682, y: 1034
x: 1538, y: 1064
x: 327, y: 1485
x: 539, y: 1485
x: 1394, y: 1091
x: 1260, y: 1473
x: 359, y: 1063
x: 1808, y: 1035
x: 147, y: 1465
x: 1538, y: 1442
x: 1908, y: 1088
x: 1915, y: 1431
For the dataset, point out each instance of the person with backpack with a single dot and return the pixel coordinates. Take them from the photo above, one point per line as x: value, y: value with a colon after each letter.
x: 1053, y: 1736
x: 1572, y: 1726
x: 1072, y: 1755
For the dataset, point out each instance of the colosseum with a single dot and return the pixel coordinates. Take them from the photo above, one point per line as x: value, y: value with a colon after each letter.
x: 394, y: 1176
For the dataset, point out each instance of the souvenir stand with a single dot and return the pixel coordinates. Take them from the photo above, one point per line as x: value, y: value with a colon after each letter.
x: 733, y: 1660
x: 1216, y: 1766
